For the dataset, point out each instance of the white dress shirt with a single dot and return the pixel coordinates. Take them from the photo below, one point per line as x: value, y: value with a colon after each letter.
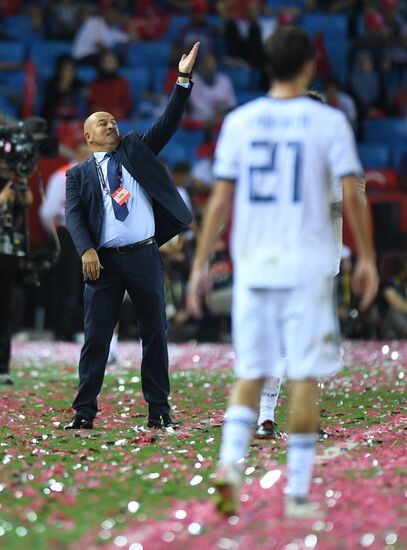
x: 139, y: 224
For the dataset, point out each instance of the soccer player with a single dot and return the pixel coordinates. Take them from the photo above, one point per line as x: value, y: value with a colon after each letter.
x: 274, y: 158
x: 266, y: 426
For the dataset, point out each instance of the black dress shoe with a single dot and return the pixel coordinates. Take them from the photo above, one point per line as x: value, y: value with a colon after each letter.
x: 79, y: 423
x: 163, y: 421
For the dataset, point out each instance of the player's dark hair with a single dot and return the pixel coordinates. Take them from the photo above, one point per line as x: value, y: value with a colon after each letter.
x: 287, y: 50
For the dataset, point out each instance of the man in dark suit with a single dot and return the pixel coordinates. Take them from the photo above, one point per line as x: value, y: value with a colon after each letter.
x: 120, y: 207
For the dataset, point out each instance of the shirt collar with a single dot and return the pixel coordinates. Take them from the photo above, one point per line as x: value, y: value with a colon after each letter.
x: 100, y: 155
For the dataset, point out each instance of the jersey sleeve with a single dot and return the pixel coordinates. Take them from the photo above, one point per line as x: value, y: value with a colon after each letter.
x: 343, y: 157
x: 226, y: 165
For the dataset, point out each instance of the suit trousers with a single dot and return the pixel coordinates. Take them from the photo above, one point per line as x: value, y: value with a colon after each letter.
x: 140, y: 272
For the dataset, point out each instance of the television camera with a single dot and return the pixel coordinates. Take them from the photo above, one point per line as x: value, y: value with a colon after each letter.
x: 21, y: 146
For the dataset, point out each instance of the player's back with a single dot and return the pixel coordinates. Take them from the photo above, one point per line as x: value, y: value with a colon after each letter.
x: 282, y: 152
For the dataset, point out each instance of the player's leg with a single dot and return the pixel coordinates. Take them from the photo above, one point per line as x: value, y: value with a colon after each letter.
x: 309, y: 332
x: 255, y: 334
x: 266, y: 426
x: 302, y: 439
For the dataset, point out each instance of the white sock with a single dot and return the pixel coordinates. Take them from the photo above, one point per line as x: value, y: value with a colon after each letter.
x: 236, y: 433
x: 268, y: 400
x: 300, y: 462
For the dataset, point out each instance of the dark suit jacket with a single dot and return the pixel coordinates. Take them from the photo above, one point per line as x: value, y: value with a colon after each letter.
x: 84, y: 202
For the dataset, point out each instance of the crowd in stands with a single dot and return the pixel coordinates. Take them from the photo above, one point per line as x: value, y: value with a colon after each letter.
x: 64, y: 59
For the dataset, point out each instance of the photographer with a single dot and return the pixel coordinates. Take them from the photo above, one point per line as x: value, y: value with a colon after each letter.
x: 11, y: 204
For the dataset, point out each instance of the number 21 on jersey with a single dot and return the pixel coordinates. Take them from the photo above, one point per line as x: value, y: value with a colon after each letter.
x: 266, y: 170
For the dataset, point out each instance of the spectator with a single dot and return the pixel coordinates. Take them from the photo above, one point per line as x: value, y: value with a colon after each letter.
x: 242, y: 35
x: 64, y: 94
x: 62, y: 18
x: 395, y: 297
x: 395, y: 34
x: 63, y: 281
x: 365, y: 85
x: 100, y: 32
x: 197, y: 30
x: 335, y: 97
x: 202, y: 170
x: 212, y: 95
x: 371, y: 43
x: 110, y: 92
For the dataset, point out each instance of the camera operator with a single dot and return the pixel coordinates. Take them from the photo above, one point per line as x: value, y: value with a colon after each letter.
x: 12, y: 201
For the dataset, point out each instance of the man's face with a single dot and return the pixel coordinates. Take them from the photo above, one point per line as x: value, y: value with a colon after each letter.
x: 101, y: 132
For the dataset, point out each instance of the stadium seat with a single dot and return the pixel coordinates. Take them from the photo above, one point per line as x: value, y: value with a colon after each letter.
x: 327, y: 24
x: 242, y: 79
x: 45, y: 54
x: 6, y: 108
x: 155, y: 53
x: 374, y: 155
x: 397, y: 151
x: 125, y: 126
x: 139, y: 80
x: 20, y: 27
x: 337, y: 51
x: 159, y: 76
x: 175, y: 152
x: 86, y: 74
x: 385, y: 130
x: 246, y: 96
x: 284, y: 4
x: 176, y: 24
x: 12, y: 52
x: 13, y: 79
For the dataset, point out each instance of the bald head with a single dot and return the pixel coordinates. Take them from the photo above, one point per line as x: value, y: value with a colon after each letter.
x: 101, y: 132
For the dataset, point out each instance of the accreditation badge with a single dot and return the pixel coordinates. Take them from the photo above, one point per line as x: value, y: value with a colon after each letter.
x: 121, y: 195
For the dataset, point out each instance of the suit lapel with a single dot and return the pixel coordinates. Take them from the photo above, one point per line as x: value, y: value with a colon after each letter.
x: 91, y: 174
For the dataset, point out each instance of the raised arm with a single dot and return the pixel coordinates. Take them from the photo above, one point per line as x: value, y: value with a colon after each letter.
x: 167, y: 124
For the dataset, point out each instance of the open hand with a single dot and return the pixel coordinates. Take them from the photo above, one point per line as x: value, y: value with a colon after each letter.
x: 187, y: 61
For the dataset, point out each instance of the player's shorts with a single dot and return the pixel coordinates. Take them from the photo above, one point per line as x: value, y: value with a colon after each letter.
x: 299, y: 322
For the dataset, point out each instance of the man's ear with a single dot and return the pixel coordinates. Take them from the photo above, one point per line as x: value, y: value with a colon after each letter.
x: 86, y: 135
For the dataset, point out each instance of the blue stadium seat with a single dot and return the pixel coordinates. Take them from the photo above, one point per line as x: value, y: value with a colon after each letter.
x: 385, y: 130
x: 175, y: 152
x: 337, y: 51
x: 139, y: 80
x: 329, y: 25
x: 190, y: 138
x: 125, y: 126
x: 279, y: 4
x: 45, y: 54
x: 13, y: 79
x: 86, y: 74
x: 374, y: 155
x: 13, y: 52
x: 20, y: 27
x: 142, y: 125
x: 176, y: 24
x: 154, y: 53
x: 242, y: 79
x: 7, y: 108
x: 158, y: 79
x: 246, y: 96
x: 397, y: 151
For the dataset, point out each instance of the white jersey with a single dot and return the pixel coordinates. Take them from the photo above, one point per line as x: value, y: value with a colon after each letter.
x: 283, y: 156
